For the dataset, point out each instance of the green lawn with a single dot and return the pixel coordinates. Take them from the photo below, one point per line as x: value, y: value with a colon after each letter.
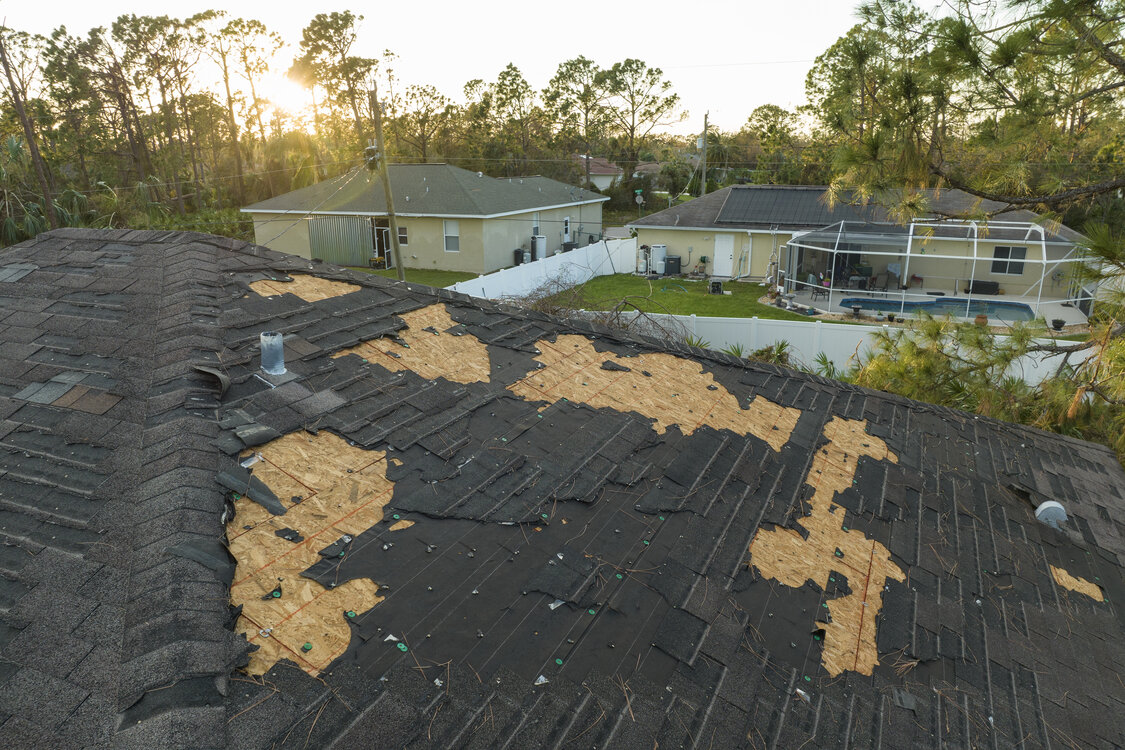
x: 427, y: 276
x: 676, y: 296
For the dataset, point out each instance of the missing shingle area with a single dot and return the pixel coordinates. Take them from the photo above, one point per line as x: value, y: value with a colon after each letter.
x: 1074, y: 583
x: 332, y: 491
x: 671, y: 390
x: 308, y: 288
x: 790, y: 558
x: 432, y: 345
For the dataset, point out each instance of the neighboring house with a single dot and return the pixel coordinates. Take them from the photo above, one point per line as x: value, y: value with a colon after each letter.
x: 752, y: 230
x: 451, y: 524
x: 649, y: 168
x: 603, y: 173
x: 448, y: 218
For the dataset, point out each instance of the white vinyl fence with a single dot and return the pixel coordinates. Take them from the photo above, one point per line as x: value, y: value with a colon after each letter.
x: 561, y: 271
x: 842, y: 344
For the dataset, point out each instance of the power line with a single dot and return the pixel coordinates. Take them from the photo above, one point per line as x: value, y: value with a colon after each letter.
x: 93, y: 191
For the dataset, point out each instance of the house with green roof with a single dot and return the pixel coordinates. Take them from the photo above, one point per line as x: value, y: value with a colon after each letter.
x: 448, y: 218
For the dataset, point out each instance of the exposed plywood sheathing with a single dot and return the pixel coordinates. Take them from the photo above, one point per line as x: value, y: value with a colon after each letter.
x: 1074, y: 583
x: 341, y: 491
x: 308, y: 288
x: 434, y: 353
x: 785, y: 556
x: 671, y: 390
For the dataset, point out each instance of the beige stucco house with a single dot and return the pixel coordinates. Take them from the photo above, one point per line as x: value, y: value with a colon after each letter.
x: 448, y: 218
x: 757, y: 231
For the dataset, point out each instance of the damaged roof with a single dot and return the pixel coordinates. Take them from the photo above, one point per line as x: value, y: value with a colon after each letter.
x: 455, y: 524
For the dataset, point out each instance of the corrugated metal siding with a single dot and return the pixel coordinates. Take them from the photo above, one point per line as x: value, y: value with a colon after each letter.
x: 344, y: 240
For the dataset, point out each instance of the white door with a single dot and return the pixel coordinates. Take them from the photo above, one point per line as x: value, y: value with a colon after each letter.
x: 723, y: 262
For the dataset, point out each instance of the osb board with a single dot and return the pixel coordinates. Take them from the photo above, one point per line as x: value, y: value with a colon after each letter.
x: 434, y: 353
x: 675, y: 391
x: 308, y: 288
x: 342, y: 490
x: 785, y: 556
x: 1074, y: 583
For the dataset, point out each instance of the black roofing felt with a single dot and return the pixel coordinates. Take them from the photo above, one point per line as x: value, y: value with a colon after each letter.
x: 582, y: 550
x: 801, y: 207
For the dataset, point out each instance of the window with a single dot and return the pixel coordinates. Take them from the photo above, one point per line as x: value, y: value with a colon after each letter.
x: 401, y: 234
x: 452, y: 236
x: 1008, y: 260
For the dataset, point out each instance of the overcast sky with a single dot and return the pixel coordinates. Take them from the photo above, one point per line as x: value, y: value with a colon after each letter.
x: 722, y: 56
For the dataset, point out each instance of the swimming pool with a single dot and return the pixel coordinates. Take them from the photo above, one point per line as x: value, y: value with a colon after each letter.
x: 964, y: 308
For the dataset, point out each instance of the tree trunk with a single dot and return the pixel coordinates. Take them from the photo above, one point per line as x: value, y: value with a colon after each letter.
x: 174, y: 177
x: 29, y: 133
x: 233, y: 123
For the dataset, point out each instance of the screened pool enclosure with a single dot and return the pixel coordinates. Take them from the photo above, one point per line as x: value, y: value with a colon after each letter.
x: 1005, y: 270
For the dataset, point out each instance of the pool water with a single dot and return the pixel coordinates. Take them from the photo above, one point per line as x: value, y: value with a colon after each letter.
x: 1009, y: 311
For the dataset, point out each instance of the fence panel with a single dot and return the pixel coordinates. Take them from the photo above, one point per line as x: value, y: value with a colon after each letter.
x: 843, y: 345
x: 564, y: 270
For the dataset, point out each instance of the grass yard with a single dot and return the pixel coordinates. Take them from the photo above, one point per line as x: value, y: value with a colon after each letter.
x: 427, y: 276
x: 676, y: 296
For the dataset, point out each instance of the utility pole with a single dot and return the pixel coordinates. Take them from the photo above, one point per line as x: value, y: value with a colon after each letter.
x: 29, y: 133
x: 703, y: 146
x: 381, y: 158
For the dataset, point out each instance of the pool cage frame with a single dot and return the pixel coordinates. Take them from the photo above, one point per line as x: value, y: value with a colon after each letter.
x: 916, y: 235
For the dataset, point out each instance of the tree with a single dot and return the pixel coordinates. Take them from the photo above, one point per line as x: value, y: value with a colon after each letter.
x: 1017, y: 102
x: 326, y: 44
x: 1000, y: 99
x: 18, y: 96
x: 221, y: 46
x: 773, y: 130
x: 515, y: 106
x: 426, y: 113
x: 640, y: 101
x: 576, y: 101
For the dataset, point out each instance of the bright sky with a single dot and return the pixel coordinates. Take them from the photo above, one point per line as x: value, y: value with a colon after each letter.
x: 725, y: 57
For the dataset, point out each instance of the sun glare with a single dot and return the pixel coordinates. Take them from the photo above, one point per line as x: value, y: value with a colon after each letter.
x: 283, y: 93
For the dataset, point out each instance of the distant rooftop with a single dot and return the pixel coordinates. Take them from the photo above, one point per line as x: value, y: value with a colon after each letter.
x: 428, y: 190
x: 800, y: 207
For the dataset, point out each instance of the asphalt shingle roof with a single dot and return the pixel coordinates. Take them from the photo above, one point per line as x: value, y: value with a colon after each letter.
x: 800, y: 207
x: 582, y: 535
x: 428, y: 189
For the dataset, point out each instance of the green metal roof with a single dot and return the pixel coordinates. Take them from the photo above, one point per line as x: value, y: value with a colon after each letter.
x: 428, y: 190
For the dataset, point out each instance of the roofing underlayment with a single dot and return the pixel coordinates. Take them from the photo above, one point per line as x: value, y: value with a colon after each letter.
x: 454, y: 524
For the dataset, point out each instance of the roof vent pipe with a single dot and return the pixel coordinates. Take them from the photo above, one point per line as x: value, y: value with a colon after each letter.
x: 1051, y: 513
x: 273, y: 353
